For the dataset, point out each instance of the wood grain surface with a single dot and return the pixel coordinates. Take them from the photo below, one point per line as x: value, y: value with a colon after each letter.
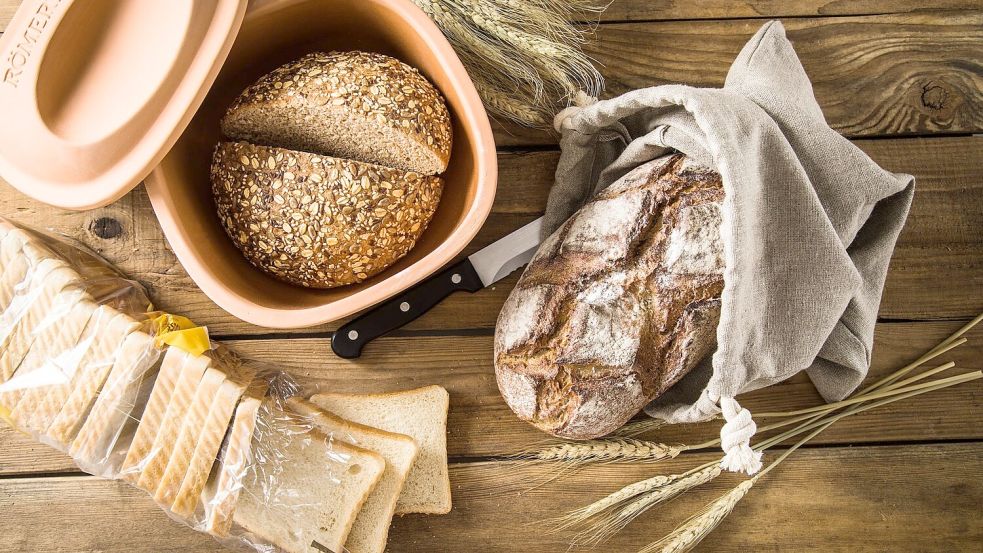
x: 902, y: 79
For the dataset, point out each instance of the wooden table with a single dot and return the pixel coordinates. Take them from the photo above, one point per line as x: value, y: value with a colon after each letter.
x: 904, y: 80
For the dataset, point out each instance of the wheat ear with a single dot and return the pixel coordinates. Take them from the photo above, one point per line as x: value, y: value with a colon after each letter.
x: 605, y: 450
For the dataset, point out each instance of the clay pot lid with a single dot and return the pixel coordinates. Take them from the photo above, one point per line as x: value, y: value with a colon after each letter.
x: 93, y: 93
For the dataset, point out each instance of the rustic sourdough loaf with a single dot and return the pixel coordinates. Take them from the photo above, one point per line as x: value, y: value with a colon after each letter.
x: 318, y: 221
x: 420, y: 414
x: 357, y: 105
x: 618, y: 304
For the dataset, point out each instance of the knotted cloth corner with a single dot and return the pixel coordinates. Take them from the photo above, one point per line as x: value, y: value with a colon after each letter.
x: 809, y: 221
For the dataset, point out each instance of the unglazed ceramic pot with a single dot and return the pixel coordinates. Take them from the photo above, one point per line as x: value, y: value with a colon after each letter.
x: 98, y: 106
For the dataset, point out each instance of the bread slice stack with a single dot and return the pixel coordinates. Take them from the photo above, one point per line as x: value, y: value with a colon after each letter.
x: 204, y: 435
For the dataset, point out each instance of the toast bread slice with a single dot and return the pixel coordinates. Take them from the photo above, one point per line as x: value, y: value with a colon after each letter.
x: 153, y: 414
x: 370, y: 532
x: 184, y: 446
x: 304, y: 490
x: 62, y: 409
x: 213, y: 431
x: 52, y: 360
x: 420, y: 414
x: 224, y: 486
x: 115, y: 403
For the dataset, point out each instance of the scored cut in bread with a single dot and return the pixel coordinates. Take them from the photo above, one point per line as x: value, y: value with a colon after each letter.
x: 303, y: 490
x: 111, y: 412
x: 192, y: 372
x: 176, y: 467
x: 420, y: 414
x: 51, y: 359
x: 224, y: 486
x: 358, y: 105
x: 370, y: 532
x: 63, y: 408
x: 153, y: 413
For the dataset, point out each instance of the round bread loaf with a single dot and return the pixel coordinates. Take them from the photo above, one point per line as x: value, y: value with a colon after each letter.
x: 618, y: 304
x: 318, y: 221
x: 357, y: 105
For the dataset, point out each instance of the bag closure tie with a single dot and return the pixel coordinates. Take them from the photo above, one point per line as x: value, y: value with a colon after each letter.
x: 735, y: 439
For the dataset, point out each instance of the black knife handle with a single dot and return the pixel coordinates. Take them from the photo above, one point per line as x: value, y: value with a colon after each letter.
x: 349, y: 340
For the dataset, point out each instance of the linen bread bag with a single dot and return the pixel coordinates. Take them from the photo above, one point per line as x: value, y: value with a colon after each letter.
x: 781, y: 272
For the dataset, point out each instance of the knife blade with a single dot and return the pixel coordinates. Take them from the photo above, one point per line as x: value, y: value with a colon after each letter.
x: 479, y: 270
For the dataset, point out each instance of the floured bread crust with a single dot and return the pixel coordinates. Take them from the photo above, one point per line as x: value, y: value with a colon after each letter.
x: 618, y: 304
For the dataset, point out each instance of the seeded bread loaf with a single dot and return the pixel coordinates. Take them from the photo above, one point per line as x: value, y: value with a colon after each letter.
x: 319, y: 221
x: 617, y: 305
x: 356, y: 105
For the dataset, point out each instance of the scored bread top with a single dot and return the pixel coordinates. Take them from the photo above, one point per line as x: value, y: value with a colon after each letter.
x: 618, y: 304
x: 318, y: 221
x: 389, y: 113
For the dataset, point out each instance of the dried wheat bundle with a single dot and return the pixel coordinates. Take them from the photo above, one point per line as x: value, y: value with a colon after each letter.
x: 605, y: 517
x: 606, y: 450
x: 524, y: 56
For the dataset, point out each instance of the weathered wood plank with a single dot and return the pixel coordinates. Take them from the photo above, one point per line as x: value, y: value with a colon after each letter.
x: 903, y: 72
x: 918, y: 73
x: 913, y: 498
x: 480, y: 424
x: 941, y: 241
x: 649, y: 10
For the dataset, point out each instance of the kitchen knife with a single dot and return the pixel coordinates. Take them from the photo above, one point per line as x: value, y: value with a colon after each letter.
x: 490, y: 264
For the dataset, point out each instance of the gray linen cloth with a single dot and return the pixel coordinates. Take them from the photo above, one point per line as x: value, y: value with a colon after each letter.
x: 809, y: 225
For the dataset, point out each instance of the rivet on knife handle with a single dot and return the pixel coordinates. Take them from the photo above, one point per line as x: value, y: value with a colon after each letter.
x: 349, y: 340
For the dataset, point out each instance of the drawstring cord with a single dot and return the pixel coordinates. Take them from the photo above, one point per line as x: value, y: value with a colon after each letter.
x: 580, y: 100
x: 735, y: 439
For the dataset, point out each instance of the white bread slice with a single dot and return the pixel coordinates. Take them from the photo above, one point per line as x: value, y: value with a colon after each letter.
x: 222, y: 494
x: 153, y: 414
x: 420, y: 414
x: 303, y: 491
x: 47, y: 280
x: 192, y: 373
x: 371, y: 529
x: 112, y: 410
x: 52, y: 360
x: 187, y: 440
x: 62, y: 410
x: 210, y: 441
x: 14, y: 266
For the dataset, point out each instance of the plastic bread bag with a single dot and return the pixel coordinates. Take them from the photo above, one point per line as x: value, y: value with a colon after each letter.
x: 147, y: 398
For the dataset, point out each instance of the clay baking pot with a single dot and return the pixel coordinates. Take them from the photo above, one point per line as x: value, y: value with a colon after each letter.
x: 272, y: 32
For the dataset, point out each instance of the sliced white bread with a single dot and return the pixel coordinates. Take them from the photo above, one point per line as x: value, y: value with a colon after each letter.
x: 209, y: 441
x: 14, y: 267
x: 358, y: 105
x: 420, y: 414
x: 225, y: 483
x: 52, y: 360
x: 184, y: 446
x: 153, y: 414
x: 303, y: 491
x: 62, y: 410
x: 112, y: 411
x: 47, y: 280
x: 156, y: 461
x: 371, y: 529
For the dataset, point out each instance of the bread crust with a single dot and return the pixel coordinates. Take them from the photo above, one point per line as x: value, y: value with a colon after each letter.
x: 318, y: 221
x: 618, y: 304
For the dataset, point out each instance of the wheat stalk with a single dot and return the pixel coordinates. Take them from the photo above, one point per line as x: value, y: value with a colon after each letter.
x: 602, y: 451
x: 615, y: 519
x: 525, y: 56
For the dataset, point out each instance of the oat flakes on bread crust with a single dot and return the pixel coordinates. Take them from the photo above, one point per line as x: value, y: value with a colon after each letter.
x: 357, y: 105
x: 618, y: 304
x: 318, y: 221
